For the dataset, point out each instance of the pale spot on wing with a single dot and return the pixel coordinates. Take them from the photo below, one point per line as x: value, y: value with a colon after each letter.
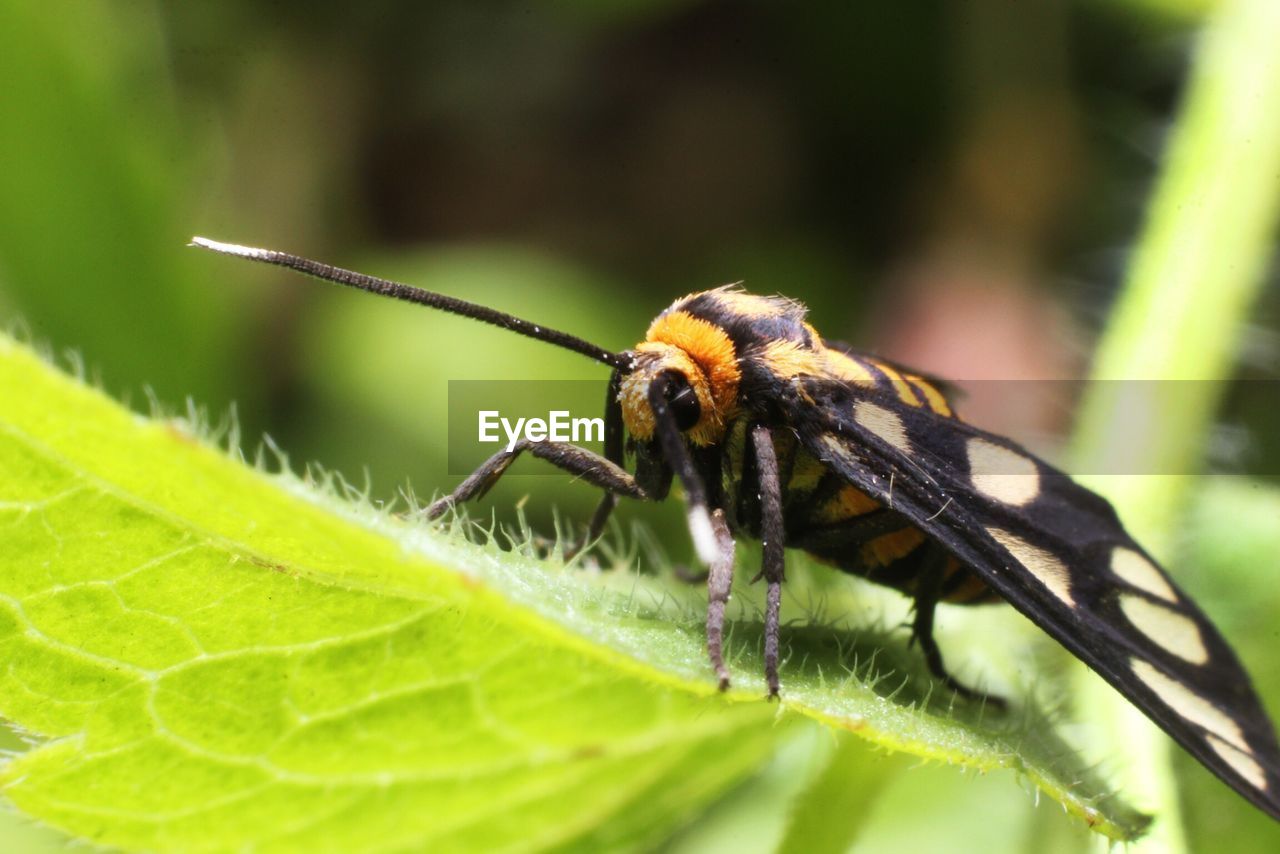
x: 1004, y: 475
x: 836, y: 448
x: 1141, y: 573
x: 1051, y: 572
x: 1241, y: 762
x: 883, y: 423
x: 1189, y: 704
x: 1166, y: 628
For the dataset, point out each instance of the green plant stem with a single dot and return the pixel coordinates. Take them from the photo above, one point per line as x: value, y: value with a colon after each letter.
x: 832, y: 811
x: 1197, y: 267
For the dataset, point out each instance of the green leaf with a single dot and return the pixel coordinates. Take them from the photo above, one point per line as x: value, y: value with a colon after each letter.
x: 208, y: 656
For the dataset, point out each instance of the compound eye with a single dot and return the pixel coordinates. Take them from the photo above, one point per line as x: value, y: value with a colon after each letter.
x: 683, y: 400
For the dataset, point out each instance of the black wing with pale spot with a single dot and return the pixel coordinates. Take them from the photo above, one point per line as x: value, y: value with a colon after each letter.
x: 950, y: 392
x: 1059, y: 554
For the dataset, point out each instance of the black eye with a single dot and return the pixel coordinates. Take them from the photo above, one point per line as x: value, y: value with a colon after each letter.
x: 683, y: 401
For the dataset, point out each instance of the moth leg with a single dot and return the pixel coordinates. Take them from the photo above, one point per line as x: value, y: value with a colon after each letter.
x: 928, y: 592
x: 591, y: 467
x: 719, y: 580
x: 772, y: 543
x: 595, y: 527
x: 613, y: 452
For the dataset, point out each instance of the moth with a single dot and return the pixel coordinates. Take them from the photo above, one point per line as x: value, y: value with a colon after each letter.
x: 778, y: 434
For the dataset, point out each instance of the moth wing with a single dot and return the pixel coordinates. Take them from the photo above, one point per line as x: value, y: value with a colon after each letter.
x: 950, y: 391
x: 1059, y: 554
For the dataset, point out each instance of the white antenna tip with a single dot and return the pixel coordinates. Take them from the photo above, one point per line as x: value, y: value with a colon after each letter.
x: 704, y: 536
x: 229, y: 248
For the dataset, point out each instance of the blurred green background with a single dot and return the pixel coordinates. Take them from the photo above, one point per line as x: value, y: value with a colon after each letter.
x: 956, y: 185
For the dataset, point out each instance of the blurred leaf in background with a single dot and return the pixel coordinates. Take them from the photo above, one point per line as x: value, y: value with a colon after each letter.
x: 100, y: 184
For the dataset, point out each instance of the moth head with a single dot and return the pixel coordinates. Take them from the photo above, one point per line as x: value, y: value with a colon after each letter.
x: 699, y: 366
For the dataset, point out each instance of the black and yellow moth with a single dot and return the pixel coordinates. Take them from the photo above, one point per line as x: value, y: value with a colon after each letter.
x: 778, y: 434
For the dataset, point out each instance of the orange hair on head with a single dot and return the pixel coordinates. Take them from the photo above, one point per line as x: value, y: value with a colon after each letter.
x: 709, y: 346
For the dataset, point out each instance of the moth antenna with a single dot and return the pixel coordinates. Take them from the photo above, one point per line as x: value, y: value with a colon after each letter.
x: 677, y: 456
x: 419, y: 296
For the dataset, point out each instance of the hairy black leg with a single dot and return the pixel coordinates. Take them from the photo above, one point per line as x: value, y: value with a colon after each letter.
x: 719, y: 580
x: 927, y: 594
x: 595, y: 527
x: 613, y: 452
x: 588, y: 466
x: 772, y: 542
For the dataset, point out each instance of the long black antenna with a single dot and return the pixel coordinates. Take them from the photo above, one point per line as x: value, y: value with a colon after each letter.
x: 408, y: 293
x: 705, y: 540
